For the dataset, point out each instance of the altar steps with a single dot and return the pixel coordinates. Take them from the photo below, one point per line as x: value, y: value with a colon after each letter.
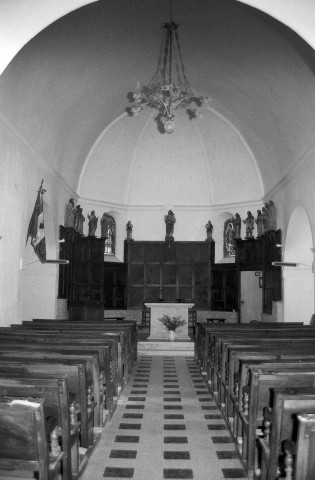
x: 166, y: 347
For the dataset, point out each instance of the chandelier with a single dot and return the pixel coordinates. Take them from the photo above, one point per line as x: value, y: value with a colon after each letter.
x: 164, y: 93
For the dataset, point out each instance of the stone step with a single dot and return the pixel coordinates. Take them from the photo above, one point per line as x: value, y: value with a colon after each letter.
x: 166, y: 347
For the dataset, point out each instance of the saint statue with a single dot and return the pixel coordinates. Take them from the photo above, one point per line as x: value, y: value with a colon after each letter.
x: 81, y: 220
x: 107, y: 225
x: 69, y: 214
x: 129, y: 228
x: 209, y: 229
x: 265, y: 219
x: 77, y: 215
x: 170, y: 221
x: 92, y: 223
x: 250, y: 224
x: 260, y: 224
x: 273, y: 216
x: 237, y: 226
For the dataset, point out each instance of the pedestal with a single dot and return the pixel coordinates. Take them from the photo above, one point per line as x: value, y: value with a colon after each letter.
x: 158, y: 330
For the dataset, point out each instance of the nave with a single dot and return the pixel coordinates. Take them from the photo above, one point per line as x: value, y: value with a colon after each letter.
x: 166, y: 425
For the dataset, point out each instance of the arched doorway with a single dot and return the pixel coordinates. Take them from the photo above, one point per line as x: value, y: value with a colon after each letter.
x: 298, y: 282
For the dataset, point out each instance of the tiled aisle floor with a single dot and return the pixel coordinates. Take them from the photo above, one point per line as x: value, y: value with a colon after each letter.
x: 166, y: 425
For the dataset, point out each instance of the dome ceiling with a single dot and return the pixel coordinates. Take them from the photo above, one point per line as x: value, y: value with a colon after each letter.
x: 68, y: 88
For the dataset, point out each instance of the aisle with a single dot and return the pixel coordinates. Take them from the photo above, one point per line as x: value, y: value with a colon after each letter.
x: 166, y: 425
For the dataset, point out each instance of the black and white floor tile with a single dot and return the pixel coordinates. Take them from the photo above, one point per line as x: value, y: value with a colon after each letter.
x: 166, y: 426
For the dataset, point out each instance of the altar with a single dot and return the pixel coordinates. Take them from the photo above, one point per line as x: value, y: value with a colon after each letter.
x: 157, y: 330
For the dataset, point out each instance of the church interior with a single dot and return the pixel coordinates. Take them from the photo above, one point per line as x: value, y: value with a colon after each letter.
x: 157, y: 163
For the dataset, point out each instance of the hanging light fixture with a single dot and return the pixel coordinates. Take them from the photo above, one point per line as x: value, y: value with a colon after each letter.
x: 163, y: 92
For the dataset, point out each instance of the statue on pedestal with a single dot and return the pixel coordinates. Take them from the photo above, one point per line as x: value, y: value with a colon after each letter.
x: 170, y: 221
x: 69, y: 214
x: 77, y: 215
x: 250, y: 224
x: 92, y: 223
x: 107, y: 225
x: 237, y: 226
x: 273, y: 216
x: 129, y: 228
x: 81, y: 220
x: 260, y: 224
x: 209, y: 229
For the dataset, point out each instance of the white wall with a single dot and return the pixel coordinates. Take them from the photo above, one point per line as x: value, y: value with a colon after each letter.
x: 26, y: 286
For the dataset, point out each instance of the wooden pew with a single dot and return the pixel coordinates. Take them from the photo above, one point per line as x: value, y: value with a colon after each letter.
x: 76, y: 381
x: 23, y: 439
x: 53, y: 390
x: 280, y: 424
x: 46, y: 337
x: 236, y: 374
x: 304, y: 451
x: 103, y: 353
x: 202, y: 337
x: 219, y: 351
x: 256, y: 396
x: 127, y: 330
x: 92, y: 371
x: 274, y: 365
x: 228, y: 365
x: 69, y: 336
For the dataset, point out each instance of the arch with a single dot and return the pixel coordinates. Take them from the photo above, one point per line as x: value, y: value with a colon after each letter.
x: 21, y: 22
x: 219, y: 237
x: 298, y: 282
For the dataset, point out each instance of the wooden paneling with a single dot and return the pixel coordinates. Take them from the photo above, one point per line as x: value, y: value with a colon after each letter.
x: 169, y: 271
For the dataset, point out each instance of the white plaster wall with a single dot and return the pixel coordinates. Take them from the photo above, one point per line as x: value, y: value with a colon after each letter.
x: 27, y: 288
x: 204, y: 162
x: 297, y: 191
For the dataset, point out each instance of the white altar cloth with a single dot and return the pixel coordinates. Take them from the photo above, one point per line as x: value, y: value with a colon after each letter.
x: 157, y: 330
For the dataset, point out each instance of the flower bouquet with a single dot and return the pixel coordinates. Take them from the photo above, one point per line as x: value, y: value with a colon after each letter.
x: 172, y: 323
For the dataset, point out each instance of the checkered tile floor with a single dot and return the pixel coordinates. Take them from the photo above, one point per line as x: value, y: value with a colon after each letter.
x: 166, y: 425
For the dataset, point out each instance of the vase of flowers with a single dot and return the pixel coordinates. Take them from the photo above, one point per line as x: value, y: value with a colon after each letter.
x: 171, y: 324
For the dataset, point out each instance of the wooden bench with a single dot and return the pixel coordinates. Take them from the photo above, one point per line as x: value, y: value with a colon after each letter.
x: 203, y: 329
x: 256, y: 396
x: 236, y: 373
x: 23, y: 439
x: 69, y: 335
x: 218, y: 354
x: 304, y: 451
x: 77, y: 386
x: 128, y: 327
x: 53, y: 391
x: 47, y: 337
x: 103, y: 353
x: 280, y: 425
x: 92, y: 366
x: 228, y: 365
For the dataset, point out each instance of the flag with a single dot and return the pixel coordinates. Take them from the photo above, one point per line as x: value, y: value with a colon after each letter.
x: 36, y: 227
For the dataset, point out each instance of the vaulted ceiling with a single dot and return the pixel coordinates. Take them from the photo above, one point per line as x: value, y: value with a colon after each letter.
x: 69, y: 85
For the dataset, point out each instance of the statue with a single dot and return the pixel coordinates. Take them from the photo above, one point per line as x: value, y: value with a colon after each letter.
x: 229, y: 237
x: 77, y: 215
x: 69, y: 214
x: 237, y: 226
x: 92, y: 223
x: 265, y: 219
x: 107, y: 223
x: 268, y: 217
x: 209, y: 229
x: 170, y: 221
x: 129, y: 228
x: 250, y: 224
x: 81, y: 220
x: 273, y: 216
x: 260, y: 224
